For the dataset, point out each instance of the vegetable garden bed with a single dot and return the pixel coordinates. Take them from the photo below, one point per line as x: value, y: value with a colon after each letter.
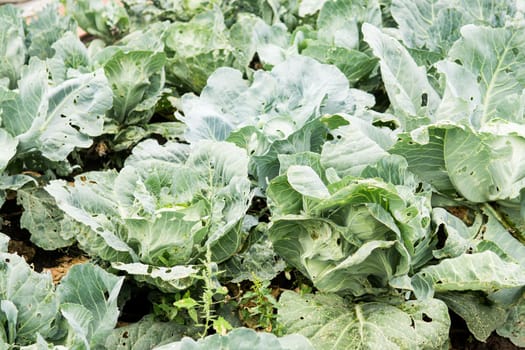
x: 333, y: 174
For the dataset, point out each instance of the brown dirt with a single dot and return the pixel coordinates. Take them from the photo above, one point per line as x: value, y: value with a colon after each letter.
x: 64, y: 264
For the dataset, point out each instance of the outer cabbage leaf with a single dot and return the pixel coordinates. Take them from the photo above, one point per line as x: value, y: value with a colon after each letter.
x: 242, y: 339
x: 459, y: 237
x: 252, y: 36
x: 485, y: 166
x: 494, y: 56
x: 106, y: 20
x: 146, y: 334
x: 90, y: 203
x: 481, y: 166
x: 88, y: 297
x: 150, y: 38
x: 170, y: 152
x: 513, y: 326
x: 355, y: 146
x: 336, y: 39
x: 29, y: 297
x: 493, y: 13
x: 332, y: 323
x: 12, y: 44
x: 409, y: 91
x: 4, y: 242
x: 266, y: 165
x: 482, y: 316
x: 430, y: 24
x: 493, y: 231
x: 310, y: 7
x: 426, y: 157
x: 354, y: 64
x: 8, y: 146
x: 13, y: 183
x: 69, y: 53
x: 50, y: 229
x: 167, y: 279
x: 484, y: 271
x: 56, y: 119
x: 338, y: 21
x: 461, y: 96
x: 47, y: 28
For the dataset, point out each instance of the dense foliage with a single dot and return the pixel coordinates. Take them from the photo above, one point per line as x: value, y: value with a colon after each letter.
x: 372, y: 152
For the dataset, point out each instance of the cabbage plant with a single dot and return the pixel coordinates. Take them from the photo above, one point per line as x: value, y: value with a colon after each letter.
x: 163, y: 211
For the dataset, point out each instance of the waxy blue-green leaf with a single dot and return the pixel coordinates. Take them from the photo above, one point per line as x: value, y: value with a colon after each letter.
x: 90, y: 203
x: 330, y: 322
x: 494, y: 56
x: 4, y: 242
x: 461, y: 95
x: 458, y: 236
x: 513, y: 326
x: 484, y: 166
x: 146, y: 334
x: 46, y: 29
x: 310, y: 7
x: 494, y: 232
x: 426, y: 157
x: 12, y: 44
x: 356, y: 146
x: 338, y: 21
x: 8, y: 146
x: 9, y: 315
x: 167, y: 279
x: 251, y: 36
x: 305, y: 180
x: 483, y: 271
x: 33, y: 296
x: 50, y: 229
x: 54, y: 119
x: 69, y: 53
x: 336, y: 38
x: 492, y: 13
x: 354, y: 64
x: 435, y: 25
x: 242, y: 339
x: 482, y: 316
x: 406, y: 83
x: 428, y: 24
x: 88, y: 297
